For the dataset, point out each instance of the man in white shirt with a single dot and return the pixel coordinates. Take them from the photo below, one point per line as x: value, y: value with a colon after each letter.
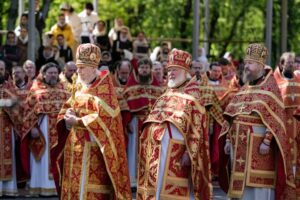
x: 88, y: 19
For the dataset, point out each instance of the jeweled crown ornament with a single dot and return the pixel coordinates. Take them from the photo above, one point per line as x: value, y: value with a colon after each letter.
x: 180, y: 59
x: 256, y: 52
x: 88, y: 55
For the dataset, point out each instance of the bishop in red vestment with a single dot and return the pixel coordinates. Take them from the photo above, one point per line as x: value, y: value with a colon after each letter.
x: 174, y: 156
x: 256, y: 139
x: 89, y: 161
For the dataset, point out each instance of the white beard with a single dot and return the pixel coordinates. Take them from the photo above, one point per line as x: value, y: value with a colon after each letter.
x: 86, y: 83
x: 79, y: 80
x: 174, y: 83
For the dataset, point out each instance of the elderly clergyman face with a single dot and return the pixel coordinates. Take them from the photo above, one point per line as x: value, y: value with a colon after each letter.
x: 176, y: 77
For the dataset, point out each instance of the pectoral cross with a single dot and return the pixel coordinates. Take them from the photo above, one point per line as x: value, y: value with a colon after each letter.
x: 242, y: 136
x: 289, y: 121
x: 240, y: 161
x: 242, y: 108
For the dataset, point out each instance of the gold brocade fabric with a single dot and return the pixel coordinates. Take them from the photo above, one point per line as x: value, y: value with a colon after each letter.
x: 250, y: 168
x: 141, y: 96
x: 234, y: 87
x: 120, y: 93
x: 187, y: 113
x: 96, y: 150
x: 210, y: 100
x: 8, y: 118
x: 43, y: 100
x: 290, y: 93
x: 262, y: 100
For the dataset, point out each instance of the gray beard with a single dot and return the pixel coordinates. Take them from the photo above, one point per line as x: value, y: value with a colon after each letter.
x: 52, y: 82
x: 248, y: 77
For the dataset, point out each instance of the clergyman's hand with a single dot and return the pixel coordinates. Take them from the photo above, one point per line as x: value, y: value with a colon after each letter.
x: 264, y: 149
x: 70, y: 118
x: 34, y: 133
x: 227, y: 147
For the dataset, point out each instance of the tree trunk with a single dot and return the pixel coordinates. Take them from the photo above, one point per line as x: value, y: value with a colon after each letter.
x: 45, y: 8
x: 213, y: 24
x: 12, y: 16
x: 2, y: 13
x: 183, y: 25
x: 233, y: 29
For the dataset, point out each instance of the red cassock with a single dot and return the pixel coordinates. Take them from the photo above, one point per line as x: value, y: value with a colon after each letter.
x: 140, y: 98
x: 257, y: 106
x: 214, y: 119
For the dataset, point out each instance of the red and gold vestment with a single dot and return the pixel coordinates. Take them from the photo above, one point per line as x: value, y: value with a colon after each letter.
x: 89, y: 162
x: 182, y: 108
x: 41, y: 100
x: 258, y: 106
x: 8, y: 119
x: 21, y: 152
x: 233, y: 88
x: 214, y: 118
x: 290, y: 93
x: 125, y: 111
x: 139, y: 97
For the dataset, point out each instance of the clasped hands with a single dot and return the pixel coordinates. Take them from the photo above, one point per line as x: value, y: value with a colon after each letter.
x: 70, y: 118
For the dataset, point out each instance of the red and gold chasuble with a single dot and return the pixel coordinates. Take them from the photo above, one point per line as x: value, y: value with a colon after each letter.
x: 125, y: 111
x: 186, y: 112
x: 42, y: 100
x: 234, y: 87
x: 140, y: 98
x: 290, y: 93
x: 7, y: 119
x: 214, y: 118
x: 257, y: 106
x: 22, y: 93
x: 92, y: 156
x: 120, y: 93
x: 21, y: 151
